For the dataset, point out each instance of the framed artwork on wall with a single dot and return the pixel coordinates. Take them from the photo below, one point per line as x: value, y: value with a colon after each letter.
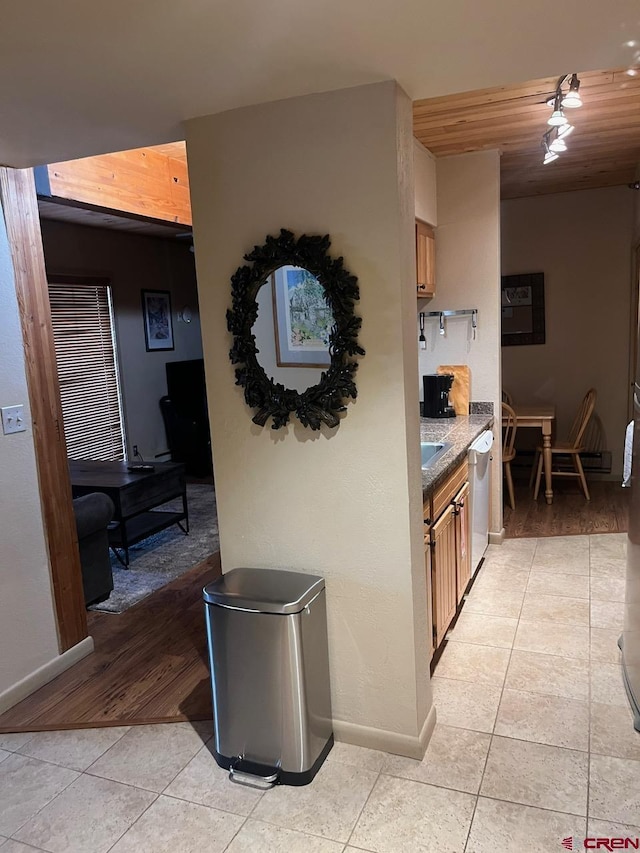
x: 522, y: 302
x: 302, y: 319
x: 156, y: 314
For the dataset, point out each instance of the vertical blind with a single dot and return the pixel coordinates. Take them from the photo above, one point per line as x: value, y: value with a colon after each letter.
x: 87, y: 368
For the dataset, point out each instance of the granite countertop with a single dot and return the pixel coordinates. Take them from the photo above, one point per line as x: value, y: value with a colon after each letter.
x: 460, y: 432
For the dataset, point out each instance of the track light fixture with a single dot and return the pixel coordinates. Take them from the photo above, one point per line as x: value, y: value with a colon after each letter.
x: 554, y: 139
x: 572, y: 99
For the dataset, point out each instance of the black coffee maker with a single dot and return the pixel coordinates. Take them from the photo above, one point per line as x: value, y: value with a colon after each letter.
x: 436, y: 395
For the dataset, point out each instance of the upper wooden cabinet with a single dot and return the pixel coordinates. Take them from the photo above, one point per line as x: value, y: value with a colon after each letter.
x: 425, y: 259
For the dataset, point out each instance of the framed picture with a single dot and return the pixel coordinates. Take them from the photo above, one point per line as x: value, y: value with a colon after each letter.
x: 522, y: 302
x: 302, y: 319
x: 156, y: 314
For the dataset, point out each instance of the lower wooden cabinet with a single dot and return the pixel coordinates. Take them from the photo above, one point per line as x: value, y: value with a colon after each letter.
x: 463, y: 545
x: 443, y: 573
x: 450, y: 552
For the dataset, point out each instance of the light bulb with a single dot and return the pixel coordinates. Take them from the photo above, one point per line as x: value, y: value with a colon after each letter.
x: 565, y: 130
x: 572, y: 99
x: 557, y: 118
x: 558, y: 145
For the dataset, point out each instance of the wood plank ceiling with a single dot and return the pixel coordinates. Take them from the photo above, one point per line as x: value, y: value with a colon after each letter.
x: 603, y: 150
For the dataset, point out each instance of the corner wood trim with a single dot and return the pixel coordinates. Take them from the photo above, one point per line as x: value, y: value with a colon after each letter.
x: 20, y: 208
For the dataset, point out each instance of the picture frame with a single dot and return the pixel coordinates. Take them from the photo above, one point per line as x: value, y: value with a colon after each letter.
x: 302, y: 318
x: 157, y: 319
x: 522, y: 309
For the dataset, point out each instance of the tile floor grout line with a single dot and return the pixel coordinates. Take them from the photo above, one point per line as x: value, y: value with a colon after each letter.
x: 65, y: 766
x: 236, y: 833
x: 120, y: 837
x: 364, y: 805
x: 529, y: 806
x: 37, y: 812
x: 206, y: 805
x: 492, y: 733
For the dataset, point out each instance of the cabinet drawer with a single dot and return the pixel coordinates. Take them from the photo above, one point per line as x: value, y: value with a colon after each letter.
x: 448, y: 490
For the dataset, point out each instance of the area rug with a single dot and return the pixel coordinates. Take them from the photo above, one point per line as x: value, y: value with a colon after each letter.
x: 165, y: 556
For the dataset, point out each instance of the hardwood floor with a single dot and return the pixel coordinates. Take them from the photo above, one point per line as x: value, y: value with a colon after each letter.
x: 569, y: 514
x: 149, y: 666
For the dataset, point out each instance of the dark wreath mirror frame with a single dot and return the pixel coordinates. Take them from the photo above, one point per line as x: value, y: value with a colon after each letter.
x: 321, y: 403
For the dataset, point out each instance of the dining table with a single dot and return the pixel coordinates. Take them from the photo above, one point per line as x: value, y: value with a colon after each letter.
x: 543, y: 418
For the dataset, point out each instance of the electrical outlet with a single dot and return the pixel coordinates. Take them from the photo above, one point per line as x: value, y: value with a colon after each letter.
x: 13, y: 419
x: 135, y: 449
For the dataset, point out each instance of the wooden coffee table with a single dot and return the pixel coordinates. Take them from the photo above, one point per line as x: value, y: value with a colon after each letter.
x: 134, y: 495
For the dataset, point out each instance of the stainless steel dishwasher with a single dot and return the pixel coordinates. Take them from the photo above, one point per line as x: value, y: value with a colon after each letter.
x: 479, y: 458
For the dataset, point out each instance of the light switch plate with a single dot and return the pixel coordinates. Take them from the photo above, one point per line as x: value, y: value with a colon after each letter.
x: 13, y: 419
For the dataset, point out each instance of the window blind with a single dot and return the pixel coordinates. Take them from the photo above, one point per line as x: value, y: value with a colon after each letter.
x: 87, y: 368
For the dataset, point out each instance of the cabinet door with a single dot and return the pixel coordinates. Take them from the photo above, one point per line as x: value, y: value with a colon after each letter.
x: 463, y: 543
x: 427, y: 569
x: 443, y: 573
x: 425, y: 259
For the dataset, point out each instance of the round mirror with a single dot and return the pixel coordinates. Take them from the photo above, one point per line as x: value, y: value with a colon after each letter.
x: 295, y: 333
x: 292, y: 328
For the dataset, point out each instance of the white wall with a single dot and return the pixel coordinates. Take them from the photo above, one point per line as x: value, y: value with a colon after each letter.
x: 424, y: 169
x: 581, y: 241
x: 28, y: 638
x: 468, y: 276
x: 133, y: 263
x: 343, y: 503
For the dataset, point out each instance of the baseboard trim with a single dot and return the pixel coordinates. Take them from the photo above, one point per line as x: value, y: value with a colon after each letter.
x: 28, y: 685
x: 409, y: 745
x: 496, y: 538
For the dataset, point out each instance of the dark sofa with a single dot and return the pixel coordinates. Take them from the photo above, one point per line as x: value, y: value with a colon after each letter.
x: 93, y: 514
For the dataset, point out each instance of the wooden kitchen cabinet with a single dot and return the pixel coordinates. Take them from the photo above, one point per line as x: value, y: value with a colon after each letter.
x: 450, y: 549
x: 425, y: 259
x: 463, y: 545
x: 443, y: 573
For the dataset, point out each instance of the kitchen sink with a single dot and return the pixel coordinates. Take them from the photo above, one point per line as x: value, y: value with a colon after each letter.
x: 431, y: 451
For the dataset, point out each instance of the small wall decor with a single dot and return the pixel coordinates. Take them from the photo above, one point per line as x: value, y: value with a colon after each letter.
x: 523, y: 309
x: 320, y: 403
x: 156, y: 314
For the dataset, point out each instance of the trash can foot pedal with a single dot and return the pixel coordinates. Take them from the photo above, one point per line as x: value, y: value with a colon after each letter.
x: 253, y: 775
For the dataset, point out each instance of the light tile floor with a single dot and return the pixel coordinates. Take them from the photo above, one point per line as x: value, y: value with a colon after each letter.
x: 534, y: 743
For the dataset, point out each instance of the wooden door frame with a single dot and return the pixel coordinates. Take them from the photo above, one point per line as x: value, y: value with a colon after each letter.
x: 19, y: 204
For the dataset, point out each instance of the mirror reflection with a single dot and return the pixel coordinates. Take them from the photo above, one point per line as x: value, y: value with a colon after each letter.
x: 293, y: 327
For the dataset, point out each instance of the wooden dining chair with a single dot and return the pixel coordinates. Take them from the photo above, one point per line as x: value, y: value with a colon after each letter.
x: 572, y: 447
x: 507, y: 398
x: 509, y: 427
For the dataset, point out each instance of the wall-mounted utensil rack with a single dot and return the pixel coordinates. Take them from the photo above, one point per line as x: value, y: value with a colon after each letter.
x: 442, y: 315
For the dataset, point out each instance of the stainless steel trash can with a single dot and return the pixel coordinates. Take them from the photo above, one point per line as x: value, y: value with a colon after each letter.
x: 267, y: 632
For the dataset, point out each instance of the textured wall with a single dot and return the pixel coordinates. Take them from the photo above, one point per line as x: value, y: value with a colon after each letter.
x: 581, y: 241
x: 28, y: 638
x: 345, y: 503
x: 468, y: 276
